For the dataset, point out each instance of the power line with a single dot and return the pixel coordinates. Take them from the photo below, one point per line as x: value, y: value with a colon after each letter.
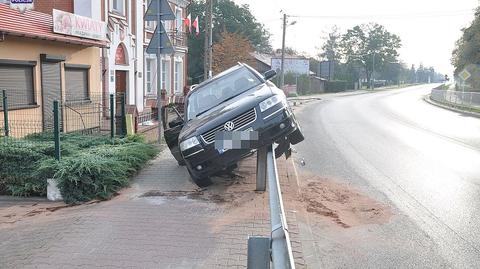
x: 391, y: 16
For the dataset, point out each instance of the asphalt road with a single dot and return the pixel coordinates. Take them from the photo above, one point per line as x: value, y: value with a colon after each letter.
x: 421, y: 160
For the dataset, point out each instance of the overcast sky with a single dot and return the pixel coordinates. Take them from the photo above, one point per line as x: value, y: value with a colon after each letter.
x: 428, y: 28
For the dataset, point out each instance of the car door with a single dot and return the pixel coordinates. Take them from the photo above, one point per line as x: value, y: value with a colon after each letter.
x: 171, y: 133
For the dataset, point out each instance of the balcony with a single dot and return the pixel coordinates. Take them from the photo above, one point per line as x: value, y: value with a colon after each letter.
x: 178, y: 38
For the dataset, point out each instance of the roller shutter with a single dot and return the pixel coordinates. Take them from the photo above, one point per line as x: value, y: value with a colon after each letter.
x: 76, y: 83
x: 51, y: 89
x: 18, y: 81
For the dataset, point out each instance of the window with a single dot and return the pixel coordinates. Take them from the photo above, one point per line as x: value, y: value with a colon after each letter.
x: 76, y: 84
x: 178, y: 77
x: 149, y: 75
x: 118, y: 6
x: 166, y: 75
x: 17, y: 80
x: 179, y: 19
x: 149, y: 25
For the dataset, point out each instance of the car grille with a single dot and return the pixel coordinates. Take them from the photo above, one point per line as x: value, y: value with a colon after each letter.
x: 239, y: 122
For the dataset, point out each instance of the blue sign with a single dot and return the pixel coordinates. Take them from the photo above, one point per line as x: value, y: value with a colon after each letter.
x: 160, y: 40
x: 21, y: 1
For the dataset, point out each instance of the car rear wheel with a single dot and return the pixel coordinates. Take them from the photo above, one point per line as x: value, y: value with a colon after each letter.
x: 202, y: 182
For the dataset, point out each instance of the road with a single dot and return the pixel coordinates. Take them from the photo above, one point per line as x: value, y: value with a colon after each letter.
x: 421, y: 161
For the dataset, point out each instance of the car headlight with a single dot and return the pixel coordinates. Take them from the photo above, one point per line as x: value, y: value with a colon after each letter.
x: 270, y: 102
x: 189, y: 143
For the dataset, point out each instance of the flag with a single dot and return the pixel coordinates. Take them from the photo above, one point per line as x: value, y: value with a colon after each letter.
x: 188, y: 23
x: 197, y: 27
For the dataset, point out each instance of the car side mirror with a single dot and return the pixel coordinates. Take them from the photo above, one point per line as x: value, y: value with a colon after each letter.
x: 269, y: 74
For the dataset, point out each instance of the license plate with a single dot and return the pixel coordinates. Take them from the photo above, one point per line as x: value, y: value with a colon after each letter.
x: 247, y: 139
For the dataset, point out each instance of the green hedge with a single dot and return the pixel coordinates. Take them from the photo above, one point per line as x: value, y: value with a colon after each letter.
x: 91, y: 167
x: 338, y: 86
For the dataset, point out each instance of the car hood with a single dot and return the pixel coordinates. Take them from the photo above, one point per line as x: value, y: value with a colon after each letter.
x: 226, y: 111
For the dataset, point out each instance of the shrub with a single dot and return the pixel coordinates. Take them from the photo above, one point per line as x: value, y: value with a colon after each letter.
x: 98, y: 172
x: 18, y: 161
x: 91, y: 167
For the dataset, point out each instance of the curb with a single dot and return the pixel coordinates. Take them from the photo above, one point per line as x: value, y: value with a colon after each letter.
x: 427, y: 99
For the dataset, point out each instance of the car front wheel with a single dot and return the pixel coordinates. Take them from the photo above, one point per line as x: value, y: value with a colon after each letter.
x: 296, y: 137
x: 202, y: 182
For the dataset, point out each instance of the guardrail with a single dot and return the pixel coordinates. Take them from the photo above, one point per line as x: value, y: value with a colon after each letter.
x: 459, y: 98
x: 277, y: 248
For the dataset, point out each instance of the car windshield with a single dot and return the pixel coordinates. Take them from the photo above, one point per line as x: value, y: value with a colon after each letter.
x: 219, y: 90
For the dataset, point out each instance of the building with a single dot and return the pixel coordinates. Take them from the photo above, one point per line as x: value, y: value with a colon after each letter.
x: 115, y: 63
x: 173, y: 71
x: 39, y: 65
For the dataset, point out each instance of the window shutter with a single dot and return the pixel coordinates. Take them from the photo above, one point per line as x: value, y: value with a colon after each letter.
x: 76, y: 83
x: 18, y: 81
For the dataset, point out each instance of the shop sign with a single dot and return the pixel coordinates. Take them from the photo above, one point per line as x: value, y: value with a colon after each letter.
x: 71, y: 24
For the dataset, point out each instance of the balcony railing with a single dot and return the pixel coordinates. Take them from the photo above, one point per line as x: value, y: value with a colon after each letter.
x: 178, y: 38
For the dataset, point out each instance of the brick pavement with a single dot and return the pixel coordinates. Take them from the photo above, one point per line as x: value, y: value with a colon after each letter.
x: 162, y: 221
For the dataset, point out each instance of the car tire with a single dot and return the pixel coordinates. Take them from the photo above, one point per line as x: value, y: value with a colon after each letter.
x: 296, y: 137
x: 201, y: 182
x: 181, y: 163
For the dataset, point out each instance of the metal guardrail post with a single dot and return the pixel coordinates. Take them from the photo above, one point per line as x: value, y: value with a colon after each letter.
x: 112, y: 116
x: 5, y: 113
x: 282, y: 255
x: 56, y: 129
x: 261, y: 169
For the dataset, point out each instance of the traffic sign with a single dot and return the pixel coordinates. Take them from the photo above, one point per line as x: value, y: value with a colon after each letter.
x: 465, y: 75
x: 160, y: 40
x: 159, y: 7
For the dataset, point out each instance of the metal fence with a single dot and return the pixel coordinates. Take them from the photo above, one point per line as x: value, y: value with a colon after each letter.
x: 94, y: 115
x: 458, y: 98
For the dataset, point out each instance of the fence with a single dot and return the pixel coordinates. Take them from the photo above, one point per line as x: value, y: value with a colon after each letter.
x: 100, y: 114
x: 469, y: 100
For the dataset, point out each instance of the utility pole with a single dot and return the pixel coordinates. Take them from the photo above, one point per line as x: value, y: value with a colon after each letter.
x: 373, y: 72
x: 282, y: 77
x: 159, y: 82
x: 208, y: 53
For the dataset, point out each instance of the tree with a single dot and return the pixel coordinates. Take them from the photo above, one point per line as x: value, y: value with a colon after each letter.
x: 229, y: 17
x: 370, y: 45
x: 466, y: 54
x: 231, y: 49
x: 330, y: 50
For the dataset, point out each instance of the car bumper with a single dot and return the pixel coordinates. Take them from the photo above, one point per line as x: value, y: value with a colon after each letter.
x: 271, y: 128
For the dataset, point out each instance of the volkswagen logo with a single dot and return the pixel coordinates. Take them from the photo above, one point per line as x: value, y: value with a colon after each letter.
x: 228, y: 126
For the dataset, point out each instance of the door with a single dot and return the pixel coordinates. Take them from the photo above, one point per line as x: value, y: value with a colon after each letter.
x: 51, y: 91
x: 171, y: 133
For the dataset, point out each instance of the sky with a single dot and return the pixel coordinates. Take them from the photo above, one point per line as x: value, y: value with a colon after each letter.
x: 428, y: 28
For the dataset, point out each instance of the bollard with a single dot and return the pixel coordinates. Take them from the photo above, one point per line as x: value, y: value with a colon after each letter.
x: 112, y: 116
x: 56, y: 129
x: 5, y: 113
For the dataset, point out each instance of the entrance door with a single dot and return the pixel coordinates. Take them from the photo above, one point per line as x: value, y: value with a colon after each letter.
x: 51, y: 90
x: 120, y: 87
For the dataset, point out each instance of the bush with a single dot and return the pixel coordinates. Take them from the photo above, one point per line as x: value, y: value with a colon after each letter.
x: 91, y: 167
x: 339, y: 86
x: 98, y: 172
x: 18, y: 163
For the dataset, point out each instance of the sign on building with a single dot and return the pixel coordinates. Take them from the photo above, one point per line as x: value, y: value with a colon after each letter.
x: 292, y: 65
x: 21, y: 5
x: 71, y: 24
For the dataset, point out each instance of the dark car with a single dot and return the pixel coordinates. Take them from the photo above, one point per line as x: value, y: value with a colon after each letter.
x: 227, y: 118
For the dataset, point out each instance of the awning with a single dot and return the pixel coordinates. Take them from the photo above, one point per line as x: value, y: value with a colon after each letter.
x: 37, y: 25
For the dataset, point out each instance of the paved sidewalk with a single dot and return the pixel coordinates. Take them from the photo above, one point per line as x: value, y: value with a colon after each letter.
x: 162, y: 221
